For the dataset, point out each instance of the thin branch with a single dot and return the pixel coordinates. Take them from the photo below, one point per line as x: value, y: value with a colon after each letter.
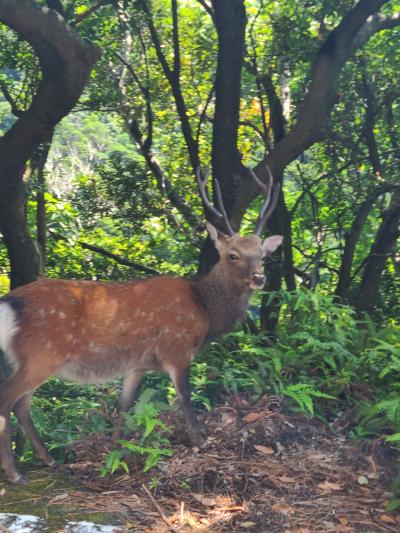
x: 164, y: 184
x: 14, y: 107
x: 110, y: 255
x: 208, y: 9
x: 83, y: 16
x: 174, y: 82
x: 175, y: 33
x: 203, y: 113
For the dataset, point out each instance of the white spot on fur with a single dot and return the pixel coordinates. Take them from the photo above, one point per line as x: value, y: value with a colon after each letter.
x: 2, y: 424
x: 8, y: 329
x: 69, y: 337
x: 61, y: 314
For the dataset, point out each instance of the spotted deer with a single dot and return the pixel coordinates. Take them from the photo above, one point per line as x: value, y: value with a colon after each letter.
x: 94, y: 332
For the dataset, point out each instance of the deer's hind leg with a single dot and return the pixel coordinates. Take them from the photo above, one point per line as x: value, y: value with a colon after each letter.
x: 22, y: 412
x: 19, y: 386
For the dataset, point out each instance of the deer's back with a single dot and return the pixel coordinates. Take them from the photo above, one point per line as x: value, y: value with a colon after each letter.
x: 91, y: 331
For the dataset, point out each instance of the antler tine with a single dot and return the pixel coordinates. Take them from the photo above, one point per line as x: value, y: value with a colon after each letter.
x: 269, y: 203
x: 220, y: 203
x: 221, y: 214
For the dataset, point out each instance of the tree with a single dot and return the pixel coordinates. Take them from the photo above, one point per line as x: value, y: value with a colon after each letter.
x: 65, y: 61
x: 221, y: 86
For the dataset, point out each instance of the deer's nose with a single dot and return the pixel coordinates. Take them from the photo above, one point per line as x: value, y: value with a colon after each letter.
x: 258, y: 279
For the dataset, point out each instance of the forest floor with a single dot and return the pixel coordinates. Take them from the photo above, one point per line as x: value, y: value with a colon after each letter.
x: 262, y: 471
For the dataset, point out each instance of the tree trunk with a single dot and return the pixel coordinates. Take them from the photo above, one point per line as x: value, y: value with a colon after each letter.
x: 38, y: 163
x: 65, y: 60
x: 230, y: 20
x: 380, y: 252
x: 22, y: 253
x: 351, y: 239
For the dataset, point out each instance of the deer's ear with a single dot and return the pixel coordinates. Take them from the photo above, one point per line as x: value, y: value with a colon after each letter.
x: 215, y: 235
x: 271, y: 244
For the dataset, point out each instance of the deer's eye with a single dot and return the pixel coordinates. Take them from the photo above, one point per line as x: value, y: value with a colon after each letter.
x: 233, y: 257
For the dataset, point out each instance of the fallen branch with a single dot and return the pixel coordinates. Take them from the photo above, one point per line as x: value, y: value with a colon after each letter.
x: 156, y: 505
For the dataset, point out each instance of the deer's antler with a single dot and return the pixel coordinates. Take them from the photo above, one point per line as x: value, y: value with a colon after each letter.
x: 219, y: 213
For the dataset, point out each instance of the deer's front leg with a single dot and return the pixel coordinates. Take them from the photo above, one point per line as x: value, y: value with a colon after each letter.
x: 128, y: 395
x: 180, y: 379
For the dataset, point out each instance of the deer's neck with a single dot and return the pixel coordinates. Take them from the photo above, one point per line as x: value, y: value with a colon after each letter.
x: 225, y: 301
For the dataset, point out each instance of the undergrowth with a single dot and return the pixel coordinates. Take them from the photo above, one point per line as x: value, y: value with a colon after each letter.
x: 323, y: 361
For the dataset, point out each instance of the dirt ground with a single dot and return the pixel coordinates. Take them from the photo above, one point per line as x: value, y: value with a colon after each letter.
x: 262, y: 471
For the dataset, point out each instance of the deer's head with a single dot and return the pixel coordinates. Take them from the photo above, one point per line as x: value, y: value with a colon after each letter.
x: 242, y: 258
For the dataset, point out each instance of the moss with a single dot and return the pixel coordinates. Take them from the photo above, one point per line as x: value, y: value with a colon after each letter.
x: 33, y: 499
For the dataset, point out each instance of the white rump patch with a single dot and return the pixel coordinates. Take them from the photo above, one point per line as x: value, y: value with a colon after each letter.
x: 2, y: 424
x: 8, y: 328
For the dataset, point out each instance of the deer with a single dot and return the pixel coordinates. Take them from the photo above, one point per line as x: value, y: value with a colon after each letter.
x: 94, y: 332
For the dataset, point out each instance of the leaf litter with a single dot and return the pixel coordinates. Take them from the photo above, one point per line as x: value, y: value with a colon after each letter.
x: 263, y: 471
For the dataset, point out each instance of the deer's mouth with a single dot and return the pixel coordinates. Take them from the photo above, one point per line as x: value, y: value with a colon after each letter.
x: 257, y: 281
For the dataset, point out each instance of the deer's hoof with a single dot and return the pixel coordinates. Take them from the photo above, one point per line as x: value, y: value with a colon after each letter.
x: 198, y: 441
x: 20, y: 480
x: 48, y: 461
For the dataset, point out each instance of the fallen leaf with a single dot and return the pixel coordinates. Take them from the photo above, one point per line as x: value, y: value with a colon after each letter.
x: 59, y: 497
x: 204, y: 500
x: 362, y: 480
x: 229, y: 508
x: 388, y: 519
x: 343, y: 520
x: 2, y: 492
x: 286, y: 479
x: 253, y: 417
x: 327, y: 485
x: 282, y: 508
x: 228, y: 418
x: 266, y: 450
x: 247, y: 524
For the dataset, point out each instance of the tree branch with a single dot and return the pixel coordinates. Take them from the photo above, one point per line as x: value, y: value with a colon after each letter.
x: 173, y: 78
x: 319, y: 100
x: 65, y: 60
x: 14, y: 108
x: 83, y: 16
x: 105, y: 253
x: 374, y: 24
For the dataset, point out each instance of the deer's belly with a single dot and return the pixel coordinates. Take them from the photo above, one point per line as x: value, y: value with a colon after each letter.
x: 106, y: 364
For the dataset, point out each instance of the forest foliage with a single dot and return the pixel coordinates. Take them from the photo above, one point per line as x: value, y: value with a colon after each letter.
x: 109, y: 192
